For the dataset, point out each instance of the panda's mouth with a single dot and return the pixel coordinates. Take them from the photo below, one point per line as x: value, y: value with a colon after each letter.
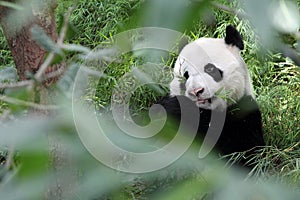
x: 203, y: 101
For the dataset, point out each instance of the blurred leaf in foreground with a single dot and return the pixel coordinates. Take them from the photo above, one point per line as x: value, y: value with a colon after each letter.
x: 173, y: 14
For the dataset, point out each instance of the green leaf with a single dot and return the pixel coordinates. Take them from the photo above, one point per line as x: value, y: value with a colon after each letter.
x: 76, y: 48
x: 173, y: 14
x: 34, y: 159
x: 11, y: 5
x: 71, y: 30
x: 57, y: 59
x: 285, y: 16
x: 19, y: 94
x: 225, y: 95
x: 66, y: 83
x: 8, y: 74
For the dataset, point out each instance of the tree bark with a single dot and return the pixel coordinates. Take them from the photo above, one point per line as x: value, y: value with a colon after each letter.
x: 27, y: 54
x: 28, y: 57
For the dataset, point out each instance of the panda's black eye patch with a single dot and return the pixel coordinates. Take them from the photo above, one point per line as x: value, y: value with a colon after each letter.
x: 186, y: 75
x: 214, y: 72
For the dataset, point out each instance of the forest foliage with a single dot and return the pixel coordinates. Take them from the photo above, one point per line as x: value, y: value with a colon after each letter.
x: 94, y: 73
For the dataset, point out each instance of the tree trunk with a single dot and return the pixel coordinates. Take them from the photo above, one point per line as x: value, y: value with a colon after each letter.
x: 28, y: 57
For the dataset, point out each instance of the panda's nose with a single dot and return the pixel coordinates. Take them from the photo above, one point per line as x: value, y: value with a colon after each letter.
x: 196, y: 92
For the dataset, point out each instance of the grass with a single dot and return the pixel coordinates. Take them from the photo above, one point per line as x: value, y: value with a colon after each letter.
x: 5, y: 54
x: 96, y: 21
x: 275, y: 78
x: 276, y: 83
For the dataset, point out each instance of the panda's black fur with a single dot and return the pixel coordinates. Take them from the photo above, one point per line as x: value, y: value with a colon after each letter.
x: 242, y: 130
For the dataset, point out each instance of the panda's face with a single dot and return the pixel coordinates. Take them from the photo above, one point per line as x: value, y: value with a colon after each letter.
x: 211, y: 73
x: 201, y: 84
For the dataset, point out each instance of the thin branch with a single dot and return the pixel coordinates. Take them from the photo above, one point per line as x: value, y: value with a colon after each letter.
x: 64, y: 29
x: 44, y: 66
x: 17, y: 84
x: 27, y: 83
x: 28, y: 104
x: 54, y: 74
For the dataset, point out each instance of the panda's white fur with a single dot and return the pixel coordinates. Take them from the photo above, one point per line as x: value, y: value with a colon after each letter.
x: 204, y: 70
x: 235, y: 82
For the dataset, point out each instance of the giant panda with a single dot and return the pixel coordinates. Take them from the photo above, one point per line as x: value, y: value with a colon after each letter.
x: 211, y: 76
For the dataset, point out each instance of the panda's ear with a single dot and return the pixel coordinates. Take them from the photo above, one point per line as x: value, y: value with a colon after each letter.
x: 233, y: 37
x: 182, y: 43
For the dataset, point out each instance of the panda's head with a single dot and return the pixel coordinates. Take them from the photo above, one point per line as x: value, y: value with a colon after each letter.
x: 211, y: 71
